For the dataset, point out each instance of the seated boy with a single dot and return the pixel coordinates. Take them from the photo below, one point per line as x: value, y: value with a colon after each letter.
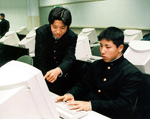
x: 111, y: 85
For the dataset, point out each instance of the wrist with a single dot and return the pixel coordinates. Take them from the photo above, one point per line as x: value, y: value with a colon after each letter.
x: 58, y: 70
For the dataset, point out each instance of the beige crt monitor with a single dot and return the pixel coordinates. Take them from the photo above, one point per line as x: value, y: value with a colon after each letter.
x: 131, y: 35
x: 10, y: 38
x: 83, y: 50
x: 90, y: 33
x: 138, y: 53
x: 28, y: 42
x: 24, y: 93
x: 22, y: 31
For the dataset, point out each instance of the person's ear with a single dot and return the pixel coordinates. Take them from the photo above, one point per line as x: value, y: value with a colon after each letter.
x: 120, y: 48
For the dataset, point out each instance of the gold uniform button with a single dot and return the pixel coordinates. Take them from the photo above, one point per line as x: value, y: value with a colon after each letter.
x: 105, y: 79
x: 99, y: 91
x: 54, y: 50
x: 108, y: 67
x: 56, y: 41
x: 54, y: 57
x: 56, y: 61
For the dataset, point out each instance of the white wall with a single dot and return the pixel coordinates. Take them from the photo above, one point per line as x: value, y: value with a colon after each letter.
x: 119, y: 13
x: 57, y: 2
x: 15, y: 12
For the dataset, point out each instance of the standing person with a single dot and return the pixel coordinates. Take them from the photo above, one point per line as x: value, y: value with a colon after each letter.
x: 111, y: 84
x: 4, y: 25
x: 55, y: 51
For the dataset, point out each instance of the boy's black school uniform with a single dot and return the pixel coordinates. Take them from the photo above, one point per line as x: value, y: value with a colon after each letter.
x: 111, y: 87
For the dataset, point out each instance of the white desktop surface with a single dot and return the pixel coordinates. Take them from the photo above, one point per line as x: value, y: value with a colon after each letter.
x: 92, y: 115
x: 95, y: 115
x: 91, y: 59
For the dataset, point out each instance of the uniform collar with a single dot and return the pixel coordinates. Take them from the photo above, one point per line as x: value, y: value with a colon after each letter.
x: 116, y: 61
x: 55, y: 37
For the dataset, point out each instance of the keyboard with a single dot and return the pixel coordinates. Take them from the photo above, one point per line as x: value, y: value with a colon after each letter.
x: 66, y: 113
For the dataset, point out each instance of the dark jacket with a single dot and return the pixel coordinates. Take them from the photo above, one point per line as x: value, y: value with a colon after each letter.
x: 112, y: 87
x: 4, y: 27
x: 51, y: 53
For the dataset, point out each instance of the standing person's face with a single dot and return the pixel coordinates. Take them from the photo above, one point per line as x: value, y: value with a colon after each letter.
x: 0, y: 17
x: 58, y: 28
x: 109, y: 50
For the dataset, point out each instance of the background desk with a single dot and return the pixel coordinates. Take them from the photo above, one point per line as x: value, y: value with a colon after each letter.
x: 8, y: 53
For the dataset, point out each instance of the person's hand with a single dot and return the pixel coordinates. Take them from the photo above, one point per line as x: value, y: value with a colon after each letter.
x: 80, y: 105
x: 52, y: 75
x: 66, y: 97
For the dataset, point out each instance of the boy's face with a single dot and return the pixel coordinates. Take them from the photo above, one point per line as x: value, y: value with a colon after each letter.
x: 58, y: 28
x: 0, y: 17
x: 109, y: 50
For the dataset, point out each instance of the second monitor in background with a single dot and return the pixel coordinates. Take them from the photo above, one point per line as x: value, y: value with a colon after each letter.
x: 22, y: 31
x: 90, y: 33
x: 29, y: 43
x: 131, y: 35
x: 10, y: 38
x: 138, y: 53
x: 83, y: 50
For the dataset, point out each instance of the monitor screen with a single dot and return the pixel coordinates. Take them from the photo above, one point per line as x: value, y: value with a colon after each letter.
x: 83, y: 48
x: 131, y: 35
x: 28, y: 42
x: 10, y: 38
x: 24, y: 93
x: 90, y: 33
x: 138, y: 53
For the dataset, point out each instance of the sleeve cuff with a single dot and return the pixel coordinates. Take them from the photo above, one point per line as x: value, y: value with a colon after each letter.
x: 90, y: 106
x: 60, y: 73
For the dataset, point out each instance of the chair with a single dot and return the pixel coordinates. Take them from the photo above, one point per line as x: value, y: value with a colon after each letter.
x: 143, y: 104
x: 96, y: 51
x: 26, y: 59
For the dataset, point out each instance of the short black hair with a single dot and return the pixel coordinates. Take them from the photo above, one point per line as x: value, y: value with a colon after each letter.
x: 2, y: 15
x: 114, y: 34
x: 60, y: 13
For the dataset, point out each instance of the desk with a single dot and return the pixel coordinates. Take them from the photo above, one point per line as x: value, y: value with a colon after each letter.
x: 8, y: 52
x: 95, y: 115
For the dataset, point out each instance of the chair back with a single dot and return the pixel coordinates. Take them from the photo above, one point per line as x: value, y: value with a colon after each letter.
x: 26, y: 59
